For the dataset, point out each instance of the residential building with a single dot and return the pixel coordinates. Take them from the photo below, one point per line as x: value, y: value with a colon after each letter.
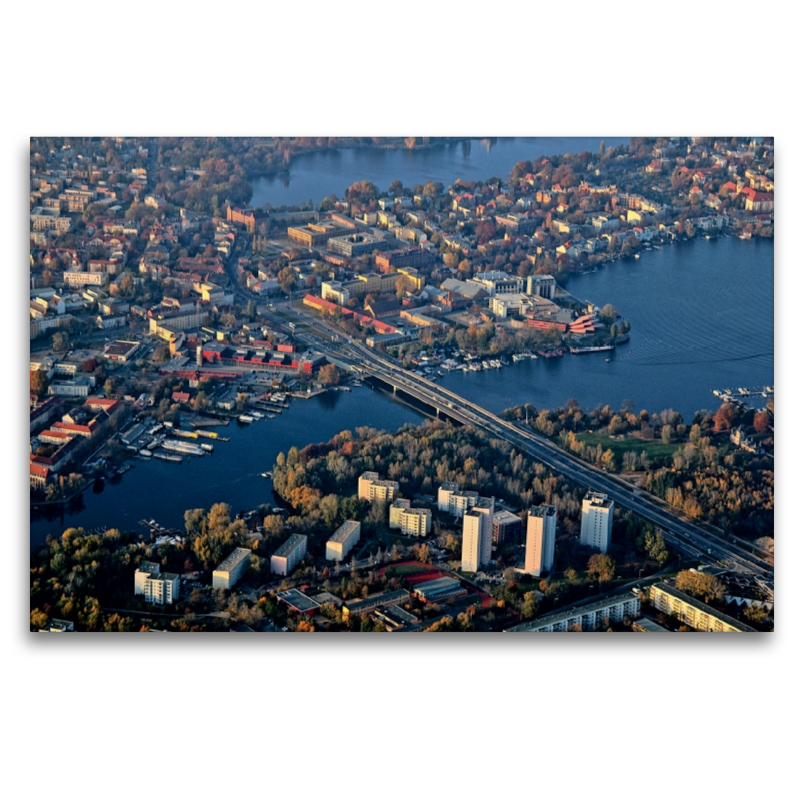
x: 410, y: 521
x: 540, y: 543
x: 455, y: 502
x: 592, y: 617
x: 343, y: 540
x: 597, y: 516
x: 371, y: 487
x: 162, y: 588
x: 505, y: 526
x: 476, y: 549
x: 289, y: 554
x: 231, y: 569
x: 694, y: 613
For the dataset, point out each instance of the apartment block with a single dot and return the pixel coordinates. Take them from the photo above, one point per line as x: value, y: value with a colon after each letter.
x: 343, y: 540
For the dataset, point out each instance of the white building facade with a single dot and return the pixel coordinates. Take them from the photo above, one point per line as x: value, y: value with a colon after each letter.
x: 476, y: 548
x: 540, y: 543
x: 289, y: 554
x: 231, y: 569
x: 597, y: 515
x: 343, y: 540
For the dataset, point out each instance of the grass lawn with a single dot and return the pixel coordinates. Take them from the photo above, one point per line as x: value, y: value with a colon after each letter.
x: 620, y: 445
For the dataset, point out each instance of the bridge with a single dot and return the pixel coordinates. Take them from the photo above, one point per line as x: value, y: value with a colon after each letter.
x: 694, y: 539
x: 689, y: 537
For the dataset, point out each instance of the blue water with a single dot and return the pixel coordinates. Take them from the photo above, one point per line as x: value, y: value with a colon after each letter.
x: 702, y: 317
x: 315, y: 176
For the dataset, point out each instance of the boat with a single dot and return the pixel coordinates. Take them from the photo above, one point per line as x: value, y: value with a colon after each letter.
x: 597, y: 349
x: 607, y: 360
x: 209, y: 448
x: 266, y: 474
x: 245, y: 418
x: 145, y: 453
x: 167, y: 457
x: 270, y: 416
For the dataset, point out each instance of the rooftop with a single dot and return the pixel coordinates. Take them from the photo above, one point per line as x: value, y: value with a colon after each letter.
x: 234, y: 559
x: 562, y: 616
x: 543, y: 511
x: 289, y: 545
x: 345, y: 530
x: 297, y: 600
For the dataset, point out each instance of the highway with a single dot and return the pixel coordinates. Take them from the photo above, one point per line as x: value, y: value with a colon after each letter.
x: 689, y: 537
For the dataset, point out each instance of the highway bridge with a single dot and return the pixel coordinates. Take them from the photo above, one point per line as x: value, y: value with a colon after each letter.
x: 694, y: 539
x: 688, y: 536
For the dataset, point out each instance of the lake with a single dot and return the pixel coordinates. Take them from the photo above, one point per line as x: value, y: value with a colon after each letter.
x: 315, y: 176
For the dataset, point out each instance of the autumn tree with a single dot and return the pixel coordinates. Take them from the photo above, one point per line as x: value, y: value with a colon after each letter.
x: 725, y: 417
x: 761, y: 422
x: 602, y: 566
x: 702, y: 585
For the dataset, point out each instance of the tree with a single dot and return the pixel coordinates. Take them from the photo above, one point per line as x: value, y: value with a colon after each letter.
x: 602, y: 566
x: 329, y: 375
x: 724, y: 418
x: 60, y: 341
x: 530, y: 605
x: 287, y: 279
x: 39, y: 382
x: 761, y: 422
x: 702, y: 585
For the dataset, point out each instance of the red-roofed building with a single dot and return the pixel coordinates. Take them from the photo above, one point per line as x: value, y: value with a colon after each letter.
x: 39, y: 474
x: 87, y: 430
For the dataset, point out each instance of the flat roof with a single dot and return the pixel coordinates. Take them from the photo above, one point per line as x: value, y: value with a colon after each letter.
x: 344, y: 531
x: 700, y: 606
x: 296, y: 599
x: 561, y: 616
x: 504, y: 517
x: 542, y: 511
x: 234, y: 559
x: 289, y: 545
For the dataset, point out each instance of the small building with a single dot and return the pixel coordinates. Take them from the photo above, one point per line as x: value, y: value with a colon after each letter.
x: 298, y: 601
x: 289, y: 554
x: 231, y: 569
x: 376, y: 601
x: 343, y: 540
x: 439, y: 589
x: 58, y: 626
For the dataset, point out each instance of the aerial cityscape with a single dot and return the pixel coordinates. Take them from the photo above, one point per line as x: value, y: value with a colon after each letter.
x: 401, y: 384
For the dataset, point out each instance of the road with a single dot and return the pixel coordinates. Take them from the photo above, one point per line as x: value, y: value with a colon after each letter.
x: 692, y: 538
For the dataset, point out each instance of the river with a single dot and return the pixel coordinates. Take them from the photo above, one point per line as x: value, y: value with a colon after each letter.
x: 315, y: 176
x: 702, y: 319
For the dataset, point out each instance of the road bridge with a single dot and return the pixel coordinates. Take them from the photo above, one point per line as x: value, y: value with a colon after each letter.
x: 692, y: 538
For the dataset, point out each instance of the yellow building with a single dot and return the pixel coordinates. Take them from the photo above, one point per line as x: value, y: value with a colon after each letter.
x: 693, y: 613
